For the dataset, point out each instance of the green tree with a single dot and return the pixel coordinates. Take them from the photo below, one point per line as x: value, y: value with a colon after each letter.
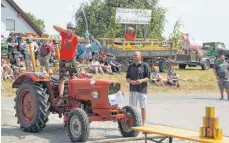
x: 38, y: 22
x: 175, y: 36
x: 100, y: 16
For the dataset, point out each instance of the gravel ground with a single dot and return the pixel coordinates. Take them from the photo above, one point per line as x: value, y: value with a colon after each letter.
x: 172, y: 110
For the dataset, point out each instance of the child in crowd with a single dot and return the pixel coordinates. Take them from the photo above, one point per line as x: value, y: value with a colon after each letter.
x: 173, y: 78
x: 95, y: 65
x: 156, y: 77
x: 43, y: 71
x: 7, y: 72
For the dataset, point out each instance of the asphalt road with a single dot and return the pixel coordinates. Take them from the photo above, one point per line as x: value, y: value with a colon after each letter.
x: 182, y: 111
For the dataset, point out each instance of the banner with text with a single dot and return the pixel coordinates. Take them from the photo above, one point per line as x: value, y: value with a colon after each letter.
x: 133, y: 16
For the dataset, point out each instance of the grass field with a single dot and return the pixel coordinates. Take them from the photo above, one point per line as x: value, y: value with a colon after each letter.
x: 192, y: 80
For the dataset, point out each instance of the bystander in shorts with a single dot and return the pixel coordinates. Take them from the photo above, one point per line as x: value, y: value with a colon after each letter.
x: 136, y: 97
x: 223, y: 83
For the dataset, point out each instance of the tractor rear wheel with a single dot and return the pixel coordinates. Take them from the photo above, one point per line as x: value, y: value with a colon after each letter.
x: 132, y: 119
x: 32, y: 107
x: 78, y: 125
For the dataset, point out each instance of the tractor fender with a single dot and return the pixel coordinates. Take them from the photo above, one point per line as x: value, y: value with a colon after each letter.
x: 203, y: 60
x: 29, y: 76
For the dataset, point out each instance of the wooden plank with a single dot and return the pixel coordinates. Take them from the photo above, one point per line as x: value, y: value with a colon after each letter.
x: 124, y: 139
x: 178, y: 133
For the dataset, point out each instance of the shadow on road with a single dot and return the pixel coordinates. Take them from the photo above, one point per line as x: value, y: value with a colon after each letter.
x: 54, y: 133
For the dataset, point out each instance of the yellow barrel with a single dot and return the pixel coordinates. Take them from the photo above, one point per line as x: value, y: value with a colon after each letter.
x: 209, y: 133
x: 210, y: 112
x: 218, y: 134
x: 203, y: 131
x: 206, y: 122
x: 214, y: 123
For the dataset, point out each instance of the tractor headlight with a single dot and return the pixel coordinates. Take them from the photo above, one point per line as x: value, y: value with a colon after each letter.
x: 95, y: 95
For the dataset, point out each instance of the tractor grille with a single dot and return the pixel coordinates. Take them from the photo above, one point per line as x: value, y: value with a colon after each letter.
x: 114, y: 88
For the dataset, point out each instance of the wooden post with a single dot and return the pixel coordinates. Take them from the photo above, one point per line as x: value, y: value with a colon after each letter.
x: 32, y: 56
x: 57, y: 52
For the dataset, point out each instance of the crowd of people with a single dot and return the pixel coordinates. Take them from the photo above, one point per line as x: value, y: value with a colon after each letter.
x: 19, y: 56
x: 87, y: 53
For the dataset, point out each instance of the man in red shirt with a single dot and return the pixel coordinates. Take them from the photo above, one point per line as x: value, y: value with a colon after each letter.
x: 130, y: 34
x: 67, y: 54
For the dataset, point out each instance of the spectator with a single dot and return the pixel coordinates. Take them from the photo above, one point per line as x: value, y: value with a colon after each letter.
x: 115, y: 66
x: 173, y: 78
x: 37, y: 53
x: 130, y: 34
x: 153, y: 68
x: 221, y: 70
x: 28, y: 59
x: 105, y: 65
x: 43, y: 71
x: 138, y: 74
x: 7, y: 72
x: 45, y: 54
x: 17, y: 67
x: 12, y: 43
x: 87, y: 55
x: 95, y: 65
x: 95, y: 45
x: 156, y: 77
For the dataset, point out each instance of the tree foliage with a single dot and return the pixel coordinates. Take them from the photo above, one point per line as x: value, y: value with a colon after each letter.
x: 100, y: 16
x: 38, y: 22
x: 176, y: 35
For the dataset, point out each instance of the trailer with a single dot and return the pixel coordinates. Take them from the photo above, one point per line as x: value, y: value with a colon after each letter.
x: 161, y: 58
x: 194, y: 60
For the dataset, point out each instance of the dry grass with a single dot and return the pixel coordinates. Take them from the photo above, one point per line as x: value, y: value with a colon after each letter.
x: 192, y: 80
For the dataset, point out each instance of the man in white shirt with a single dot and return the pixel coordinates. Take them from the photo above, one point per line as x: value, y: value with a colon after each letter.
x: 28, y: 60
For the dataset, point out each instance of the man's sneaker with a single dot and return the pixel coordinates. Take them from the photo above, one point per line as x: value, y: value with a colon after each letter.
x: 221, y: 98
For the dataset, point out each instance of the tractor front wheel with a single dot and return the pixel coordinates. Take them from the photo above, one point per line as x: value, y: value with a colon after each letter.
x: 132, y: 119
x: 78, y: 125
x: 32, y: 107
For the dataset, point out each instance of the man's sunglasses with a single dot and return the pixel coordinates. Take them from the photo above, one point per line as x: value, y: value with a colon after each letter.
x: 70, y: 28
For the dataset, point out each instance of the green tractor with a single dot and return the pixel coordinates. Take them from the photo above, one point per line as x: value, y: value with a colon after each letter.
x: 215, y: 48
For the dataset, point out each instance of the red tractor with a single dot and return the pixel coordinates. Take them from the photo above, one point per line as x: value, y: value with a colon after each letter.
x: 89, y: 100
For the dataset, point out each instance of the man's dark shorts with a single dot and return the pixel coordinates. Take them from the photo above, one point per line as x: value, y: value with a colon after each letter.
x: 223, y: 84
x: 67, y: 66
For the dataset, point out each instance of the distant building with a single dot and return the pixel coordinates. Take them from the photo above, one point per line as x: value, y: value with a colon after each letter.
x: 14, y: 19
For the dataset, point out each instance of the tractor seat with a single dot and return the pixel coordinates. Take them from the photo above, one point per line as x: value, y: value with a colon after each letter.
x: 55, y: 78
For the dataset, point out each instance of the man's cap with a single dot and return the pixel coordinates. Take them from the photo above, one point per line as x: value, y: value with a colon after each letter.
x: 71, y: 25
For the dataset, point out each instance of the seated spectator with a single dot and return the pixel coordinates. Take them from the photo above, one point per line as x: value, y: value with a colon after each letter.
x: 153, y: 68
x: 173, y: 78
x: 7, y: 72
x: 95, y: 65
x: 43, y: 71
x: 115, y: 66
x: 17, y: 68
x: 156, y: 77
x: 105, y: 65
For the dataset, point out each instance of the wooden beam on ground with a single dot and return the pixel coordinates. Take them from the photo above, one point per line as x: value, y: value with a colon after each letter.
x: 125, y: 139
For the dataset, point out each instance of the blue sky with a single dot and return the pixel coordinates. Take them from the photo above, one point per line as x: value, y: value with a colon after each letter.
x: 205, y: 20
